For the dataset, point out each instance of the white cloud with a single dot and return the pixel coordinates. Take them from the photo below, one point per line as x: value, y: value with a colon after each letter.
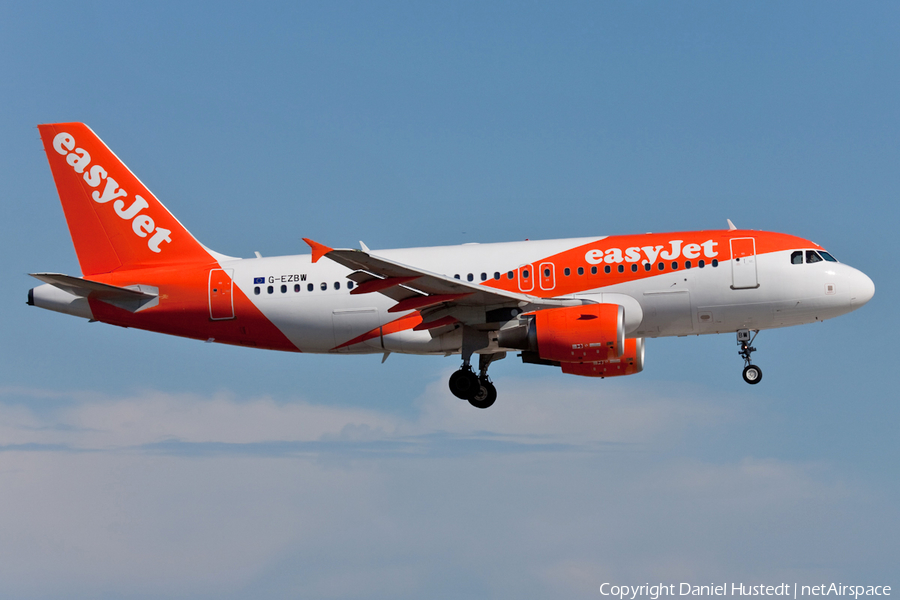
x: 548, y: 494
x: 536, y: 412
x: 154, y: 416
x: 577, y: 411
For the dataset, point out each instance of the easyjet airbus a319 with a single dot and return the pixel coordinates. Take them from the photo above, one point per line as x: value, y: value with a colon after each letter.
x: 584, y: 305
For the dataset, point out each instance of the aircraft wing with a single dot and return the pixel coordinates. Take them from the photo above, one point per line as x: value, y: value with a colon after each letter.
x: 437, y: 297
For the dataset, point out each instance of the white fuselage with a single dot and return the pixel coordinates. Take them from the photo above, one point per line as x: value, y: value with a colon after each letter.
x: 323, y: 313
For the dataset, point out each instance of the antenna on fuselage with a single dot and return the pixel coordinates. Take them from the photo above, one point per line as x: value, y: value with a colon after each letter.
x: 731, y: 226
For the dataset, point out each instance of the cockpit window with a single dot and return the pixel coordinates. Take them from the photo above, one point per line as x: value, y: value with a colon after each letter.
x: 827, y: 256
x: 797, y: 257
x: 812, y: 256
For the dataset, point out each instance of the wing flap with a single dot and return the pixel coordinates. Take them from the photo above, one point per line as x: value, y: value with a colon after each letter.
x: 376, y: 285
x: 424, y: 301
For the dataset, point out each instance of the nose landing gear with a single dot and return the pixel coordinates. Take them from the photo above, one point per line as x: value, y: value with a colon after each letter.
x: 752, y: 374
x: 477, y: 389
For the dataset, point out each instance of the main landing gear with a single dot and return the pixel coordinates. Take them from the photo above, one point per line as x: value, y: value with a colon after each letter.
x: 477, y: 389
x: 752, y: 373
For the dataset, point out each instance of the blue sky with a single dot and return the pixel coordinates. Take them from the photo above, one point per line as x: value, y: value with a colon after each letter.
x: 136, y: 465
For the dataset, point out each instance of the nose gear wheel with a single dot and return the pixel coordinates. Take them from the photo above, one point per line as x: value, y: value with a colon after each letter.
x: 752, y: 373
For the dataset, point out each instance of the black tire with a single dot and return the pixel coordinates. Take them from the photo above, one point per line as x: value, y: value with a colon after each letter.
x: 464, y: 384
x: 752, y: 374
x: 486, y: 395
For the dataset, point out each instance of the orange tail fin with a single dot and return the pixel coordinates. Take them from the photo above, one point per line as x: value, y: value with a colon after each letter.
x: 115, y: 222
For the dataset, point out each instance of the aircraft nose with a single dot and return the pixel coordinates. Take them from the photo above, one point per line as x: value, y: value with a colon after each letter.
x: 861, y: 289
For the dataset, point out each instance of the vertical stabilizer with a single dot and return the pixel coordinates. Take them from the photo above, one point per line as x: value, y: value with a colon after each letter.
x: 114, y: 220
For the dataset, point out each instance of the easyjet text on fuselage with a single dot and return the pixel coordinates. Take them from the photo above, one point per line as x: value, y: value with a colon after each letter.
x: 648, y: 254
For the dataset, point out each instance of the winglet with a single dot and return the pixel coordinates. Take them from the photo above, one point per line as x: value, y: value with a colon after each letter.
x: 318, y: 250
x: 731, y: 226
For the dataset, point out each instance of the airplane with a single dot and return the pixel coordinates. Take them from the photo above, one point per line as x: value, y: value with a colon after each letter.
x: 584, y: 305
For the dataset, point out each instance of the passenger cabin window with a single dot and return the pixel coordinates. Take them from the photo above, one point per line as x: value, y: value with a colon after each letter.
x: 701, y: 264
x: 324, y: 286
x: 256, y: 290
x: 812, y: 257
x: 284, y: 289
x: 270, y: 289
x: 484, y: 276
x: 647, y: 266
x: 687, y: 264
x: 581, y: 270
x: 593, y: 270
x: 349, y: 285
x: 715, y: 262
x: 310, y: 287
x: 337, y: 285
x: 510, y: 275
x: 296, y: 287
x: 567, y: 271
x: 497, y: 276
x: 634, y: 268
x: 470, y: 277
x: 606, y: 269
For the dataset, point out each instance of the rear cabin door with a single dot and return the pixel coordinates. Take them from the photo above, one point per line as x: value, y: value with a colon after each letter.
x: 221, y: 303
x: 743, y: 264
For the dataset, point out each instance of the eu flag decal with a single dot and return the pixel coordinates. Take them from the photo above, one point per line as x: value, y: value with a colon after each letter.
x: 259, y: 280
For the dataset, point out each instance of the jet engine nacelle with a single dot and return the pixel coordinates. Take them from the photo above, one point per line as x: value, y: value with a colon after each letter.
x: 571, y: 334
x: 631, y: 362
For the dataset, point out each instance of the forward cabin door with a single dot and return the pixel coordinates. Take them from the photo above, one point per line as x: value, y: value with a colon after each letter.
x: 743, y: 264
x: 221, y: 304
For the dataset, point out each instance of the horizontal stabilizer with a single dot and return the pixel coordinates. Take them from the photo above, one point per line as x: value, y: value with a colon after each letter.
x: 132, y: 298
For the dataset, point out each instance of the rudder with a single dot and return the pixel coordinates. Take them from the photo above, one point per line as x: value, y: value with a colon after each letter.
x: 114, y: 220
